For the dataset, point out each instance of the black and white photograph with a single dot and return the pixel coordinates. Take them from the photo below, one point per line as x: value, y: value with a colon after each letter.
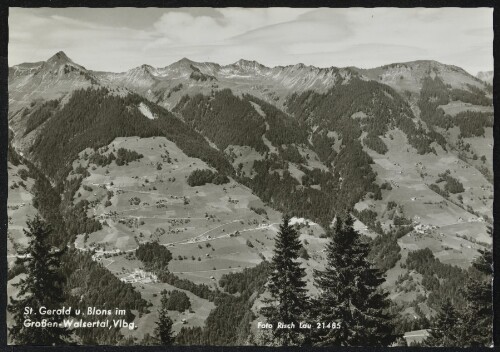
x: 278, y: 176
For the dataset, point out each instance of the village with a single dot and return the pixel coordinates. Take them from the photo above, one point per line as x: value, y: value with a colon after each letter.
x: 140, y: 276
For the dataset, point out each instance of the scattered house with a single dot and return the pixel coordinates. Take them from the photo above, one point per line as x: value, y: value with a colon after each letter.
x: 423, y: 229
x: 140, y: 276
x: 413, y: 199
x: 415, y: 336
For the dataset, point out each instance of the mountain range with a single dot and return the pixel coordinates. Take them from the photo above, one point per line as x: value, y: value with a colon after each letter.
x: 304, y: 108
x: 405, y: 148
x: 59, y: 74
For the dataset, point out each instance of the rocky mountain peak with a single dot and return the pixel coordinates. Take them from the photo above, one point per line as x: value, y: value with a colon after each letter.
x: 59, y: 58
x: 182, y: 63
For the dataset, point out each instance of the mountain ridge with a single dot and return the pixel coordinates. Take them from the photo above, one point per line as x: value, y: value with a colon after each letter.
x: 243, y: 61
x: 273, y: 84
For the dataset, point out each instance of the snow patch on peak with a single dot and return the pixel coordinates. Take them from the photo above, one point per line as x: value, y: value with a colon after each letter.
x: 143, y: 108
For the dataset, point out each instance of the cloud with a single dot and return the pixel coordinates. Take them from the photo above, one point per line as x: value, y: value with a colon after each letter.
x: 195, y: 30
x: 184, y: 28
x: 103, y: 39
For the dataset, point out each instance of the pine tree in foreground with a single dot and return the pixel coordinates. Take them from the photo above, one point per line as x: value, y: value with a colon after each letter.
x: 350, y: 298
x: 477, y: 316
x: 288, y: 302
x: 163, y: 329
x: 445, y: 330
x: 473, y: 325
x: 42, y: 286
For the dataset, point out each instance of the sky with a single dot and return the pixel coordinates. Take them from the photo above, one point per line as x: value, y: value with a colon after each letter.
x: 119, y: 39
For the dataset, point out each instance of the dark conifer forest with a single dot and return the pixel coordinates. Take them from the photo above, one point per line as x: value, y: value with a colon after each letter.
x: 224, y: 118
x: 93, y: 118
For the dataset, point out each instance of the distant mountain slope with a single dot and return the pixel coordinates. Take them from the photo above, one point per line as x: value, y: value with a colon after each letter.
x: 46, y: 80
x: 19, y: 204
x: 407, y: 76
x: 166, y: 85
x: 94, y: 117
x: 271, y: 84
x: 485, y: 76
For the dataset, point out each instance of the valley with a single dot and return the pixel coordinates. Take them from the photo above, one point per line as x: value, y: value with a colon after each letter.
x: 211, y: 230
x: 204, y: 160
